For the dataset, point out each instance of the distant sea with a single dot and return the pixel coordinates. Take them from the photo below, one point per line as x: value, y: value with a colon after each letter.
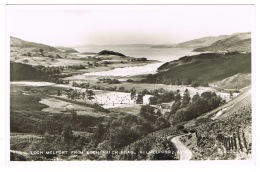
x: 161, y: 54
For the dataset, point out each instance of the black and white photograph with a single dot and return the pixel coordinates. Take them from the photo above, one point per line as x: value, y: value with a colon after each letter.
x: 130, y: 82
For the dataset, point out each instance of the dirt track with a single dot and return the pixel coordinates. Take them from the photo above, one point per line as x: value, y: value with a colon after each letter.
x: 183, y: 152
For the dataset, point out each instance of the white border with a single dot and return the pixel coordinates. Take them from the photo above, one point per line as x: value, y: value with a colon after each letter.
x: 125, y: 165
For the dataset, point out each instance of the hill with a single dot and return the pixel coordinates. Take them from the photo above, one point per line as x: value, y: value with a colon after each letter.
x: 237, y: 42
x: 207, y: 67
x: 106, y: 52
x: 37, y: 54
x: 66, y: 49
x: 19, y: 43
x: 201, y: 42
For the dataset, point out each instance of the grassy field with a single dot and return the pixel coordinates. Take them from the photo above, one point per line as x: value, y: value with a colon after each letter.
x: 20, y: 102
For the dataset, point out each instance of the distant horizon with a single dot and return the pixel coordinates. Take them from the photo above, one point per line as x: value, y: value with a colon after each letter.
x: 75, y: 25
x: 115, y: 44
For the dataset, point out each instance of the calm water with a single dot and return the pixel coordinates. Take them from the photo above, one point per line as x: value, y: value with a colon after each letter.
x: 128, y: 71
x: 161, y: 54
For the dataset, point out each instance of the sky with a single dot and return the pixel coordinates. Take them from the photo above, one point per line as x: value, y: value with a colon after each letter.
x: 71, y: 25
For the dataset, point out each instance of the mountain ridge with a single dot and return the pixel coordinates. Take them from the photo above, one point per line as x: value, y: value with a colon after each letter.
x: 237, y: 42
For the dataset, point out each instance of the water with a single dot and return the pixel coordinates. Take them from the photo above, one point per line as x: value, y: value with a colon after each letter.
x: 161, y: 54
x: 128, y: 71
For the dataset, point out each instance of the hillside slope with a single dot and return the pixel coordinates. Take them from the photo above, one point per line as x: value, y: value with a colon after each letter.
x: 237, y: 42
x: 201, y: 42
x: 208, y: 67
x: 233, y: 118
x: 236, y: 81
x: 37, y: 54
x: 19, y: 43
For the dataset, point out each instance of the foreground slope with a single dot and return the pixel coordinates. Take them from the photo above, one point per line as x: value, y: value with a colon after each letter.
x: 230, y: 121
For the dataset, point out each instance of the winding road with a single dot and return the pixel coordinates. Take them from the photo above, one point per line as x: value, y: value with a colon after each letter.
x: 183, y: 152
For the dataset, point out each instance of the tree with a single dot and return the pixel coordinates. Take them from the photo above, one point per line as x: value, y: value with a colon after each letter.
x: 74, y: 84
x: 147, y: 112
x: 177, y: 97
x: 132, y: 93
x: 179, y: 116
x: 186, y: 98
x: 139, y: 99
x: 195, y: 97
x: 153, y: 100
x: 161, y: 123
x: 159, y: 113
x: 67, y: 133
x: 156, y: 93
x: 144, y: 92
x: 175, y: 106
x: 90, y: 94
x: 58, y: 93
x: 121, y: 89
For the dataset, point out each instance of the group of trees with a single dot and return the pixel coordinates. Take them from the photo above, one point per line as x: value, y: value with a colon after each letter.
x: 80, y: 85
x: 109, y: 81
x: 163, y: 96
x: 188, y: 108
x: 77, y: 94
x: 127, y: 128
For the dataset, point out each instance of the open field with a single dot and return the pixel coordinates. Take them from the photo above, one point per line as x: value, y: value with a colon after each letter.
x: 59, y: 106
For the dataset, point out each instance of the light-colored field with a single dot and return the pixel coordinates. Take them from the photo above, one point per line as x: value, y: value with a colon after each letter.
x: 32, y: 83
x: 59, y: 106
x: 117, y: 99
x: 110, y: 99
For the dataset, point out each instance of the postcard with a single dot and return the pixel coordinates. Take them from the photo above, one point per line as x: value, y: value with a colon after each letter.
x: 130, y: 82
